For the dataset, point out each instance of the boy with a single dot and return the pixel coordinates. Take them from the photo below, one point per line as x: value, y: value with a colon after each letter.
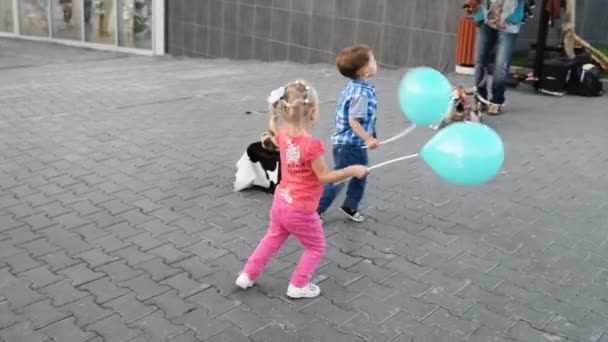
x: 355, y: 127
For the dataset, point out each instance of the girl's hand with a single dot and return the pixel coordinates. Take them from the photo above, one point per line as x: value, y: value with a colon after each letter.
x: 359, y: 171
x: 372, y: 144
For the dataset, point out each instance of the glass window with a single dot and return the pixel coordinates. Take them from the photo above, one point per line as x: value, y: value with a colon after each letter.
x: 34, y: 17
x: 100, y: 21
x: 66, y: 16
x: 135, y: 24
x: 6, y: 15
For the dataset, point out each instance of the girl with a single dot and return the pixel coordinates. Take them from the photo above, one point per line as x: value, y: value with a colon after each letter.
x: 297, y: 195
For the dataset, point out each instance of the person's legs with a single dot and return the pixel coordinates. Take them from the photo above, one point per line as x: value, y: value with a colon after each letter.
x: 331, y: 191
x: 486, y: 38
x: 356, y: 187
x: 270, y: 244
x: 502, y: 63
x: 306, y: 227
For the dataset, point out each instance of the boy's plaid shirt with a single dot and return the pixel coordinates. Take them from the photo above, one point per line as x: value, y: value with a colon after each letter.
x: 355, y: 91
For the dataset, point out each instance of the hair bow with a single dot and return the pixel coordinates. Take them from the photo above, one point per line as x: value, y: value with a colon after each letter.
x: 276, y: 95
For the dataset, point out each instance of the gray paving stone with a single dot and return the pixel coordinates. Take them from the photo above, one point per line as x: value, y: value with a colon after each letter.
x: 7, y: 316
x: 129, y: 308
x: 171, y: 305
x: 21, y: 262
x: 202, y: 324
x: 17, y: 291
x: 185, y: 285
x: 80, y: 274
x: 157, y: 269
x: 196, y: 268
x: 40, y: 277
x: 144, y: 287
x: 132, y: 255
x: 23, y: 331
x: 112, y: 329
x: 170, y: 254
x: 58, y: 261
x: 86, y: 311
x: 363, y: 326
x: 66, y: 330
x: 213, y: 301
x: 327, y: 310
x: 42, y: 314
x: 119, y: 271
x: 524, y: 331
x: 229, y: 334
x: 159, y: 328
x: 103, y: 290
x: 62, y: 292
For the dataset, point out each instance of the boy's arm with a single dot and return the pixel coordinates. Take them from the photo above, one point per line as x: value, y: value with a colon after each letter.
x: 358, y: 111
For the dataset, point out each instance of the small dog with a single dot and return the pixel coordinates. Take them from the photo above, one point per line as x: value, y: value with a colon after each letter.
x: 462, y: 109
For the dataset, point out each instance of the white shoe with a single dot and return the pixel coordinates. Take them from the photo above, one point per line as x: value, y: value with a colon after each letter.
x: 243, y: 281
x: 308, y: 291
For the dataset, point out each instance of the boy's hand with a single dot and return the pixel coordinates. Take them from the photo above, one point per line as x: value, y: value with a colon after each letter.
x: 372, y: 144
x: 359, y: 171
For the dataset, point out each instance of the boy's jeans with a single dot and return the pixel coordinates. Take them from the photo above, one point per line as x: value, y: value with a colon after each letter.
x: 344, y: 156
x: 487, y: 38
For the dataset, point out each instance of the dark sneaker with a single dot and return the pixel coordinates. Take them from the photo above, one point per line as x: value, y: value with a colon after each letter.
x: 352, y: 214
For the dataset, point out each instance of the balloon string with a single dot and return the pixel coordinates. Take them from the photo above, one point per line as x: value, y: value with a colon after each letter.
x: 398, y: 136
x: 394, y: 161
x: 384, y: 164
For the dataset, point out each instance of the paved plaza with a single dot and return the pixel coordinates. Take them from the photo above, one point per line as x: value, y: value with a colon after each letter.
x: 118, y: 221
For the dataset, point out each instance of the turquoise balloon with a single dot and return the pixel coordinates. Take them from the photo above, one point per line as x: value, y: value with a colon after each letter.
x: 465, y: 153
x: 425, y: 96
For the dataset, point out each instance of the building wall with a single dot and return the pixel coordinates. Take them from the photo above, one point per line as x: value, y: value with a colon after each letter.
x: 401, y: 32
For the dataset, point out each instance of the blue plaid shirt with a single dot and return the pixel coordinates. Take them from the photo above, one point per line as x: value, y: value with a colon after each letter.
x: 358, y: 100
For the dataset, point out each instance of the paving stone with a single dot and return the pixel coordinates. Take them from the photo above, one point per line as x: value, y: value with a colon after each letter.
x: 37, y: 221
x: 103, y: 290
x: 159, y: 328
x: 123, y: 230
x: 7, y: 316
x: 145, y: 241
x: 35, y: 248
x: 455, y: 305
x: 196, y: 268
x: 112, y: 329
x: 40, y: 277
x: 62, y: 292
x: 199, y: 321
x: 80, y: 274
x: 110, y: 244
x: 327, y: 310
x: 441, y: 318
x: 185, y: 285
x: 273, y: 333
x: 129, y: 308
x: 59, y: 260
x: 42, y: 314
x: 17, y: 291
x: 119, y: 271
x: 169, y: 253
x: 171, y: 304
x: 132, y: 255
x: 320, y: 329
x: 144, y: 287
x: 23, y: 331
x: 157, y: 269
x: 205, y: 251
x: 86, y: 311
x: 229, y: 334
x: 363, y: 326
x: 524, y: 331
x: 213, y: 301
x: 21, y: 262
x: 66, y: 330
x: 96, y: 257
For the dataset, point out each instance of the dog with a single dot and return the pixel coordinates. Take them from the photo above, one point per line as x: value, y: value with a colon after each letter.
x: 463, y: 109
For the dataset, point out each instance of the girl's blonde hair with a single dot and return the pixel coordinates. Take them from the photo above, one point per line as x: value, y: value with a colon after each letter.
x: 298, y: 102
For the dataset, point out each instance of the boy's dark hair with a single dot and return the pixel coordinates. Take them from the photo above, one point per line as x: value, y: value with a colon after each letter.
x: 351, y: 59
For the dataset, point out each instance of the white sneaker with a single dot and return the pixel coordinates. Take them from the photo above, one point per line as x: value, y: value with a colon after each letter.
x: 243, y: 281
x: 353, y: 215
x: 308, y: 291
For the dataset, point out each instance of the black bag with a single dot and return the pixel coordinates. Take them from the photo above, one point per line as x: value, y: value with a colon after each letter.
x: 585, y: 80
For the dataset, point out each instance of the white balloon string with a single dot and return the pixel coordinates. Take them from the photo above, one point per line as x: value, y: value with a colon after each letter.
x: 398, y: 136
x: 388, y: 162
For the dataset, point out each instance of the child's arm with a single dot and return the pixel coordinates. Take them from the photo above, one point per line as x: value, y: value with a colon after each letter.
x: 358, y: 111
x: 327, y: 176
x: 355, y: 125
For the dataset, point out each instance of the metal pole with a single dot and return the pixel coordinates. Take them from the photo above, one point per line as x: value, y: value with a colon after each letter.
x: 541, y: 42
